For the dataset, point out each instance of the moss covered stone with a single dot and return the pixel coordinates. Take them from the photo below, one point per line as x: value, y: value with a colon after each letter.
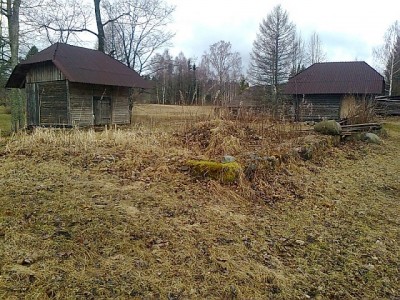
x: 225, y: 172
x: 330, y: 127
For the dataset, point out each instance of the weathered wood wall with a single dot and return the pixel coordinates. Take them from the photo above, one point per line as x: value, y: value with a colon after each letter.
x: 53, y: 100
x: 82, y: 109
x: 32, y: 106
x: 45, y: 71
x: 120, y: 106
x: 46, y: 96
x: 317, y: 107
x: 52, y: 103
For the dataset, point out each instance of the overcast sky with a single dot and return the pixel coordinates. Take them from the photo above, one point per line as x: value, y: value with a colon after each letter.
x: 348, y: 29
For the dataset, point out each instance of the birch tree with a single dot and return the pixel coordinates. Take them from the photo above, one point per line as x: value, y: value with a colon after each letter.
x: 387, y: 55
x: 298, y: 55
x: 315, y: 52
x: 224, y: 66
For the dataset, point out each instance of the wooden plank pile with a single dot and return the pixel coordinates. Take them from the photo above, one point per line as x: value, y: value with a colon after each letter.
x: 366, y: 127
x: 388, y: 106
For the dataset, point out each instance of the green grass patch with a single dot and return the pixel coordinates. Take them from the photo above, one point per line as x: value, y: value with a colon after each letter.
x: 5, y: 121
x: 394, y: 127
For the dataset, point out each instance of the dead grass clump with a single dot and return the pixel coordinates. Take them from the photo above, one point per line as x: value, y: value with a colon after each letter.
x: 360, y: 111
x: 218, y: 137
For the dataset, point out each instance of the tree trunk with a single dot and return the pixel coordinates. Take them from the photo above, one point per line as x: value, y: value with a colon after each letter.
x: 391, y: 74
x: 13, y: 29
x: 17, y: 109
x: 100, y: 28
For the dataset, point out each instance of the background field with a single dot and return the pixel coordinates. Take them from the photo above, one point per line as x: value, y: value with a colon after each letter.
x: 117, y: 214
x: 175, y: 116
x: 5, y: 121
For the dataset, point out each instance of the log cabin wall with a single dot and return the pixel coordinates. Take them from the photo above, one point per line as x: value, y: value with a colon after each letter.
x: 317, y: 107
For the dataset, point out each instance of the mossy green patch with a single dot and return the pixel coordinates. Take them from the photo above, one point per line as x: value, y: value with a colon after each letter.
x: 224, y: 172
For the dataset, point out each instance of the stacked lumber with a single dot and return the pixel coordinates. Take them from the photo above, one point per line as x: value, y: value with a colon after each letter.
x: 366, y: 127
x: 388, y: 106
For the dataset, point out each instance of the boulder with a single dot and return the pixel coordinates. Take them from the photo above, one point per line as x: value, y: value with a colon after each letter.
x: 227, y: 159
x: 370, y: 137
x: 329, y: 127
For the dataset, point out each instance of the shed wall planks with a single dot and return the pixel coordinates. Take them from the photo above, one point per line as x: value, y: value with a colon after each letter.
x: 52, y: 102
x: 121, y: 113
x: 43, y: 72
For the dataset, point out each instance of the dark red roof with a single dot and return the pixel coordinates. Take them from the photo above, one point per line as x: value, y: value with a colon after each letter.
x: 80, y: 65
x: 356, y: 77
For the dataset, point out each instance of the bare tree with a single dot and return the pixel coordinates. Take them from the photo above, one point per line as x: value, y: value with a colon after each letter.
x: 11, y: 10
x: 224, y: 66
x: 298, y: 56
x: 100, y: 26
x: 60, y: 20
x: 135, y: 37
x: 271, y: 60
x: 315, y: 52
x: 65, y: 20
x: 272, y: 53
x: 162, y: 71
x: 388, y: 56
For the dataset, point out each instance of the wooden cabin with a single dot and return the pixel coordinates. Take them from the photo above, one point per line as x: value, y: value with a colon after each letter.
x: 331, y: 90
x: 73, y: 86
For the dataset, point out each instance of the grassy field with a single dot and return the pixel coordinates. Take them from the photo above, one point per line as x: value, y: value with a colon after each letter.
x: 117, y: 215
x: 5, y: 122
x: 174, y: 116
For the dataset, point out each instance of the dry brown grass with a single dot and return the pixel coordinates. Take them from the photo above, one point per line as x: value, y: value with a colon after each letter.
x: 170, y: 117
x: 115, y: 214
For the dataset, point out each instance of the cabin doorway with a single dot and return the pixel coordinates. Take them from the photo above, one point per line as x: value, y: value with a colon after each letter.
x: 102, y: 110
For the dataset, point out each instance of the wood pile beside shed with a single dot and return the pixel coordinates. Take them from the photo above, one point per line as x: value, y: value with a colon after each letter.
x: 388, y: 105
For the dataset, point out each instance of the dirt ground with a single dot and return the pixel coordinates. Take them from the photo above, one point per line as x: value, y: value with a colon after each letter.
x: 127, y: 221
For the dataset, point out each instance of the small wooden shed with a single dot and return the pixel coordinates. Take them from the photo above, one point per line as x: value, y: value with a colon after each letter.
x: 73, y: 86
x: 331, y: 90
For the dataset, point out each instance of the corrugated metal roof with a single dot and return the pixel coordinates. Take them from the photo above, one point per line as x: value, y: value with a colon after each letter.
x: 356, y: 77
x: 80, y: 65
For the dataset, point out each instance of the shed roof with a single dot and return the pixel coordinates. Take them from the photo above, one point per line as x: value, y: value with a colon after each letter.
x: 354, y: 77
x: 80, y: 65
